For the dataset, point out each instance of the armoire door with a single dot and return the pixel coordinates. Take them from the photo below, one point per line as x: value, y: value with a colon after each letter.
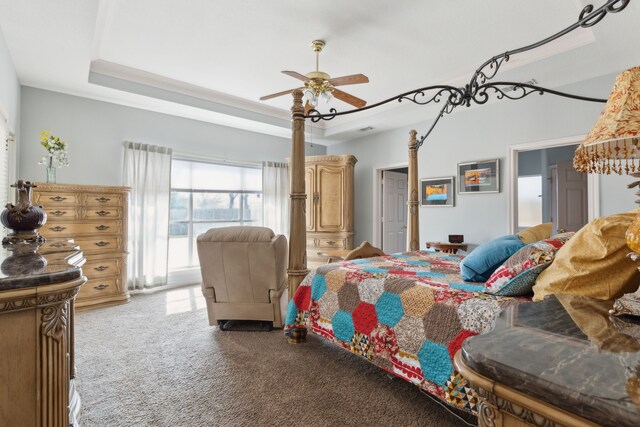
x: 331, y: 182
x: 310, y: 203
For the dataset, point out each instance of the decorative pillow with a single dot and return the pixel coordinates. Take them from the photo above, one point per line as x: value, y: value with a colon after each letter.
x: 483, y: 260
x: 536, y: 233
x: 593, y: 263
x: 518, y: 274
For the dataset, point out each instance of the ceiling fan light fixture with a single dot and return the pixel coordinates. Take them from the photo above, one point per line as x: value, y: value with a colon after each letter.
x: 310, y: 97
x: 327, y: 96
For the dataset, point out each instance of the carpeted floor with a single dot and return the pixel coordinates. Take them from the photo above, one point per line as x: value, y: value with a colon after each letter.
x: 156, y: 362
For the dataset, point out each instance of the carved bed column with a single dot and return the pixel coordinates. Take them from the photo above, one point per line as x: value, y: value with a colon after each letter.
x: 413, y: 232
x: 297, y: 227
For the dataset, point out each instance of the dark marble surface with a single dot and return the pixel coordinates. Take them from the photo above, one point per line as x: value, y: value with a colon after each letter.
x: 26, y: 265
x: 566, y: 351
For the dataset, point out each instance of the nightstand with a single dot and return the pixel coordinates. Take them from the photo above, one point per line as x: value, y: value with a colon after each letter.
x: 562, y: 361
x: 448, y: 248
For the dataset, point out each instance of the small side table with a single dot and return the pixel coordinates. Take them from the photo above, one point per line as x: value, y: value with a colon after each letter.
x: 333, y: 255
x: 447, y: 248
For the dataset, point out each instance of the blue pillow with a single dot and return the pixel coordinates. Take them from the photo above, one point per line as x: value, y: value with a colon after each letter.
x: 480, y: 264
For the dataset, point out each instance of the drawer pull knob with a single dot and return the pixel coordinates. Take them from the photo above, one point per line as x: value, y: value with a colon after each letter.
x: 57, y: 198
x: 101, y: 286
x: 58, y: 213
x: 57, y: 228
x: 102, y: 227
x: 57, y: 244
x: 101, y: 268
x: 101, y: 243
x: 331, y: 242
x: 103, y: 213
x: 103, y: 199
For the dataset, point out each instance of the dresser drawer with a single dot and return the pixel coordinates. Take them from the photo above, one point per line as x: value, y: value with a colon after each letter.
x: 107, y: 199
x: 99, y: 287
x: 311, y: 242
x: 79, y: 229
x: 62, y: 213
x: 100, y: 243
x: 102, y: 212
x: 50, y: 200
x: 332, y: 243
x: 101, y: 268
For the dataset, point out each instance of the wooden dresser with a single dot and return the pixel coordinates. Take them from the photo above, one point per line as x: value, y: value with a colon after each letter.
x: 329, y: 205
x: 37, y: 372
x: 96, y: 218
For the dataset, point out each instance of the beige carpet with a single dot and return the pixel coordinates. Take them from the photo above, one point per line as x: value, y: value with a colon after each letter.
x: 156, y: 362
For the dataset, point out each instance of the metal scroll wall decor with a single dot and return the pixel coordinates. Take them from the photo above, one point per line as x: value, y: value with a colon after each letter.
x: 480, y: 87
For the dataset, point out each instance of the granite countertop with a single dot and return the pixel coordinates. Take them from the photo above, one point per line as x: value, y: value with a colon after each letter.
x: 24, y: 265
x: 566, y: 351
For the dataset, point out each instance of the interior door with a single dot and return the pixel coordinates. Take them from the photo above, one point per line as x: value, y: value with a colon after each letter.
x: 572, y: 197
x: 394, y: 212
x: 330, y: 187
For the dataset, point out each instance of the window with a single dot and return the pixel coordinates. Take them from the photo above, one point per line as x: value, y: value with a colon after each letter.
x: 529, y: 201
x: 209, y: 195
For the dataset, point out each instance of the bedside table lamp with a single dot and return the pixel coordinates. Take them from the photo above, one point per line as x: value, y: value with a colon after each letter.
x: 613, y: 145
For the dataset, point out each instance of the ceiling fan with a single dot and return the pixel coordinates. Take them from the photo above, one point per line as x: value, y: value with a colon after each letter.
x: 320, y: 84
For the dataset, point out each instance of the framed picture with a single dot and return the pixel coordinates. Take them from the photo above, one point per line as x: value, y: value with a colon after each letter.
x: 437, y: 191
x: 479, y: 177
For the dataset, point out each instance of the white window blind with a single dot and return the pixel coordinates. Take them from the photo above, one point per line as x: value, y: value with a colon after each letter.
x: 4, y: 163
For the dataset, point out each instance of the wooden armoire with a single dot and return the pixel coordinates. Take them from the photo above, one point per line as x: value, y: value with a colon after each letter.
x: 329, y: 206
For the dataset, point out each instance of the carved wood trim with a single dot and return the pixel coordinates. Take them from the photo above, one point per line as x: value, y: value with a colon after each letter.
x: 343, y: 159
x: 55, y: 320
x: 75, y: 187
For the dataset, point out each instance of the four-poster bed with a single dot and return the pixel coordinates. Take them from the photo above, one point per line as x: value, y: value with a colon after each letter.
x: 372, y: 307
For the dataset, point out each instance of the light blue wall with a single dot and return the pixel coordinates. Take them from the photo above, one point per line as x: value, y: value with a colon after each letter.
x: 480, y: 133
x: 95, y: 131
x: 9, y: 87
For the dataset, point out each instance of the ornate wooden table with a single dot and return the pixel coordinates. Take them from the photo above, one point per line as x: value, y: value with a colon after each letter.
x: 37, y: 290
x: 562, y: 361
x: 448, y: 248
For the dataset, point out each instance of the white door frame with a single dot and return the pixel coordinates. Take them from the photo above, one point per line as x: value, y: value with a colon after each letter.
x: 593, y: 183
x: 377, y: 198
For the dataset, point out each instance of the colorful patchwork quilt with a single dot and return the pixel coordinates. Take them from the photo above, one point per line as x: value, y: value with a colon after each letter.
x: 407, y: 313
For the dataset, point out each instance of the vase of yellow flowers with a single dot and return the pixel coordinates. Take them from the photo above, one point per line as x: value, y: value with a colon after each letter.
x: 56, y: 154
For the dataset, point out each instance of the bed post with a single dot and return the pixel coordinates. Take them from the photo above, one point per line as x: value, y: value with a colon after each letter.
x: 297, y: 218
x: 412, y: 204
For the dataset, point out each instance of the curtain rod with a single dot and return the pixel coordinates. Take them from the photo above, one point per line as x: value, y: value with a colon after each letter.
x: 181, y: 155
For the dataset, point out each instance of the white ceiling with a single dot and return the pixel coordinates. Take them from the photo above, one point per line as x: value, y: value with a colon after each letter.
x: 211, y: 60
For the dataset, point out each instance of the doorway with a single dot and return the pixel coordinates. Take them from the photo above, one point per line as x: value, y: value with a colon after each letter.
x: 546, y: 188
x: 390, y: 208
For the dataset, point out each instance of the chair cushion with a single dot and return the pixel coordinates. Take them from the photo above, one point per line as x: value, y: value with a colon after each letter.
x: 486, y: 258
x: 517, y: 275
x: 237, y: 234
x: 593, y: 263
x: 536, y: 233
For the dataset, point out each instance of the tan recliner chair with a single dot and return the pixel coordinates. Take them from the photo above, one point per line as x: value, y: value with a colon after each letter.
x: 244, y: 274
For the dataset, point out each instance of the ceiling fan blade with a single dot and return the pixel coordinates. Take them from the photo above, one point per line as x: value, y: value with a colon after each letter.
x: 307, y: 107
x: 349, y: 99
x: 296, y: 75
x: 274, y: 95
x: 353, y: 79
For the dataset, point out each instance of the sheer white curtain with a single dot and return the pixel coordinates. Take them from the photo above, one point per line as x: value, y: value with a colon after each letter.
x: 275, y: 197
x: 147, y: 170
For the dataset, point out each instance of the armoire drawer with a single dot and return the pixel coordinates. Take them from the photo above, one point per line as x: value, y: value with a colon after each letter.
x: 332, y: 243
x: 101, y: 268
x: 99, y: 287
x: 79, y: 229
